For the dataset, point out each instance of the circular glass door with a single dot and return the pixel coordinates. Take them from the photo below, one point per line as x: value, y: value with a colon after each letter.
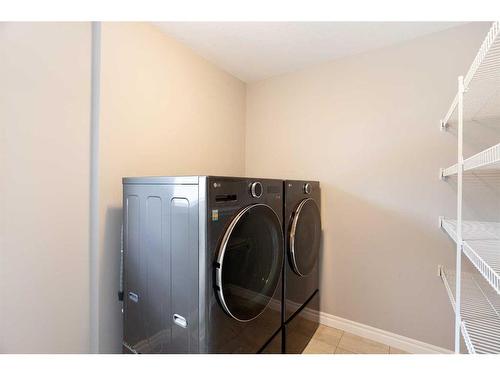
x: 249, y: 262
x: 305, y: 237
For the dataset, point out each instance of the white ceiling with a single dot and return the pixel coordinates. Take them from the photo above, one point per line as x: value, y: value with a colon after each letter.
x: 253, y: 51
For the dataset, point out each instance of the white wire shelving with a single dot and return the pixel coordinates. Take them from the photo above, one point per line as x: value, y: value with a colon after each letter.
x: 480, y: 312
x: 486, y: 159
x: 481, y: 244
x: 481, y: 83
x: 477, y: 102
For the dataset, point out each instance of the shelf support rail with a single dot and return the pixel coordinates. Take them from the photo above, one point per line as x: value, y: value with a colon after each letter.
x: 460, y: 168
x: 444, y: 122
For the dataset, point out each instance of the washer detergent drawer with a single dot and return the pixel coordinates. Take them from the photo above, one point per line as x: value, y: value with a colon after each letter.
x: 160, y: 268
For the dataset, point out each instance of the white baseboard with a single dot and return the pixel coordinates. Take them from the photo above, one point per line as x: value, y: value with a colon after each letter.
x: 388, y: 338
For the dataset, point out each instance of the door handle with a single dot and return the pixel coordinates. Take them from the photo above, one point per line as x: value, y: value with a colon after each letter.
x: 134, y: 297
x: 180, y: 320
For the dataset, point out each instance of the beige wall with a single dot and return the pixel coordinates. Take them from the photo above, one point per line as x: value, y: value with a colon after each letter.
x: 367, y: 128
x: 165, y: 111
x: 44, y: 187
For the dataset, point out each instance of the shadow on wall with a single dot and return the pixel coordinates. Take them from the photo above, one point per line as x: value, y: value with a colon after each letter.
x: 110, y: 318
x: 379, y: 268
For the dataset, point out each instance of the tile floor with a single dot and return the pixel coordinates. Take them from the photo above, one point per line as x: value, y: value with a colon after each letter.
x: 328, y: 340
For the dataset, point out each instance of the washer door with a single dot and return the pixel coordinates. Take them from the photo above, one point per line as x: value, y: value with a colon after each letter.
x: 249, y: 262
x: 305, y: 236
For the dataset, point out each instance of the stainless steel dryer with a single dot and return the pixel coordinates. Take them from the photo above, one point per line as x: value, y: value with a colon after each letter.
x: 203, y: 259
x: 302, y: 227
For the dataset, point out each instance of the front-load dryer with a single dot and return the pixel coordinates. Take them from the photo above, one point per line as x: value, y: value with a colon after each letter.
x: 302, y: 228
x: 203, y: 260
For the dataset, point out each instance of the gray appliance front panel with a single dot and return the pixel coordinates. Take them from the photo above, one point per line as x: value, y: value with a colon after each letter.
x: 161, y: 268
x: 297, y: 289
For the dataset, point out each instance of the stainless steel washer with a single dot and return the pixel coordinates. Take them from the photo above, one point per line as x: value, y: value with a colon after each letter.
x: 203, y: 260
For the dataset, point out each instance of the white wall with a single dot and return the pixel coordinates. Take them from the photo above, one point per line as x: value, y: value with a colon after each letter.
x: 164, y: 111
x: 367, y: 128
x: 44, y: 187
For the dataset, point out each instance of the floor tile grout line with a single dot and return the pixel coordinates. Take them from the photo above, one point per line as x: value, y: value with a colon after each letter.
x: 338, y: 346
x: 338, y: 343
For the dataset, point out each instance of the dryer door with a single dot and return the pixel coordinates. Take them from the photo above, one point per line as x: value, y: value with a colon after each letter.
x: 249, y: 262
x: 305, y: 237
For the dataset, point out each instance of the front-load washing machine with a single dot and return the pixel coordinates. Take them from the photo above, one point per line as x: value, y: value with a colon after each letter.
x: 302, y: 228
x: 202, y: 264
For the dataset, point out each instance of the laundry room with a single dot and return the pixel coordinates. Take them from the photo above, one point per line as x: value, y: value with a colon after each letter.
x: 272, y: 185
